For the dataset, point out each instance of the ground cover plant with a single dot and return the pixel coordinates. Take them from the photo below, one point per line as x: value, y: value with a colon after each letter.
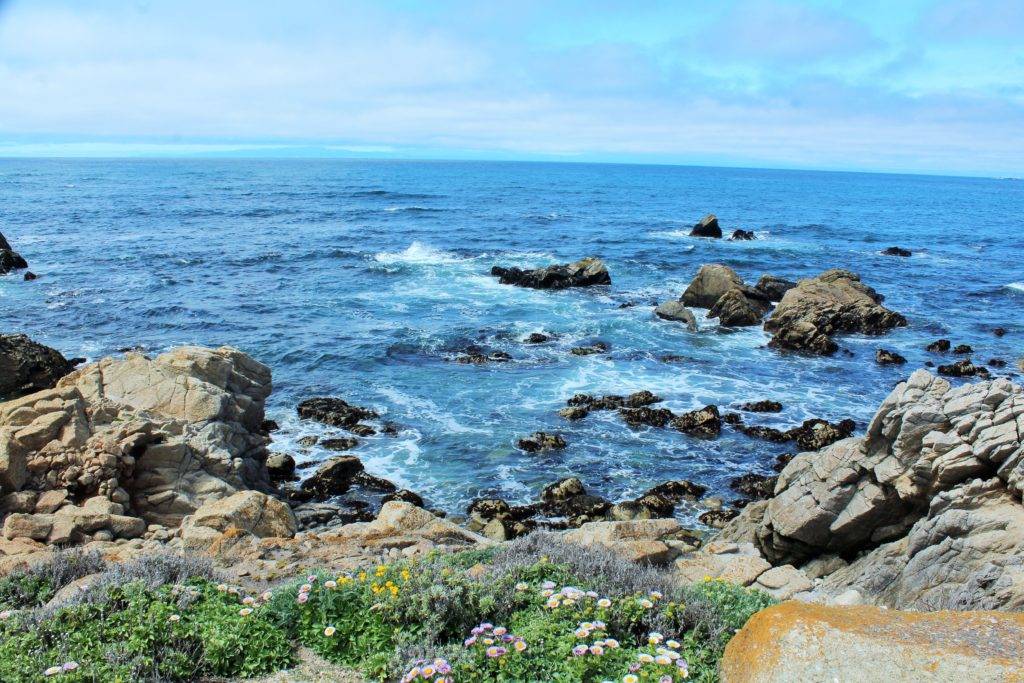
x: 532, y: 610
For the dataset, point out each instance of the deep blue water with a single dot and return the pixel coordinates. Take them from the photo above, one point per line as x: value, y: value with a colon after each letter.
x: 362, y: 278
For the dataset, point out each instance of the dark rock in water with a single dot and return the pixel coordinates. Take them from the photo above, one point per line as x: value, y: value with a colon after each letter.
x: 373, y: 483
x: 541, y: 441
x: 886, y: 357
x: 815, y: 434
x: 707, y: 227
x: 309, y: 441
x: 774, y: 287
x: 704, y: 422
x: 640, y: 398
x: 678, y: 490
x: 736, y: 309
x: 999, y: 331
x: 718, y: 518
x: 782, y: 460
x: 389, y: 429
x: 404, y: 496
x: 280, y: 466
x: 474, y: 355
x: 637, y: 399
x: 766, y: 433
x: 562, y: 490
x: 742, y: 235
x: 27, y: 367
x: 754, y: 486
x: 677, y: 312
x: 583, y: 273
x: 997, y: 363
x: 896, y: 251
x: 596, y: 347
x: 536, y: 338
x: 765, y: 406
x: 483, y: 510
x: 314, y: 515
x: 732, y: 419
x: 574, y: 412
x: 582, y: 508
x: 652, y: 417
x: 343, y: 443
x: 961, y: 368
x: 29, y: 276
x: 333, y: 477
x: 334, y: 412
x: 817, y: 308
x: 963, y: 349
x: 938, y: 346
x: 929, y: 364
x: 648, y: 506
x: 268, y: 426
x: 362, y: 430
x: 4, y: 244
x: 10, y: 261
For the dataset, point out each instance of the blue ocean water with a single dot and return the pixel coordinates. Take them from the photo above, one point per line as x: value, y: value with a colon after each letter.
x: 363, y: 279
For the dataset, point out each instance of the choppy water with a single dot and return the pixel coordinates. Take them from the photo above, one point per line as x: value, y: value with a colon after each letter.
x: 363, y: 278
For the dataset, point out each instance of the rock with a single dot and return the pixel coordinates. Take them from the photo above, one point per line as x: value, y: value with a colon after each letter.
x: 712, y: 281
x: 638, y: 540
x: 961, y: 368
x: 334, y: 412
x: 249, y: 511
x: 35, y: 527
x: 737, y: 563
x: 574, y: 412
x: 9, y: 259
x: 996, y: 363
x: 774, y: 288
x: 717, y: 518
x: 27, y: 367
x: 333, y: 477
x: 541, y: 441
x: 736, y: 309
x: 362, y: 430
x: 280, y: 466
x: 818, y: 308
x: 938, y: 346
x: 704, y: 423
x: 796, y: 641
x: 963, y: 349
x: 51, y: 501
x: 783, y: 582
x: 678, y: 490
x: 309, y: 441
x: 765, y: 406
x: 369, y: 482
x: 30, y: 276
x: 536, y: 338
x: 754, y: 486
x: 498, y: 530
x: 344, y: 443
x: 404, y: 496
x: 596, y: 347
x: 896, y: 251
x: 562, y: 490
x: 815, y: 434
x: 677, y: 312
x: 476, y: 356
x: 740, y: 235
x: 999, y: 331
x: 583, y: 273
x: 885, y: 357
x: 707, y: 227
x: 483, y: 510
x: 651, y: 417
x: 823, y: 565
x: 400, y: 525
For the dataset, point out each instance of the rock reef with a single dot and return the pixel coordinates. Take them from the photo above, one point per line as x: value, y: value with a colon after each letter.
x: 586, y: 272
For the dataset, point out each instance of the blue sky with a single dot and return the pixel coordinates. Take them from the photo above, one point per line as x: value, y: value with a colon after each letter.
x: 931, y: 86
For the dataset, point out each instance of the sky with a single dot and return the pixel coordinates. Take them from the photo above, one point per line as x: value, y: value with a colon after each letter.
x: 931, y: 86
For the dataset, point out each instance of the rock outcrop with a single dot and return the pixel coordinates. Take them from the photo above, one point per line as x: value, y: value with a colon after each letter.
x: 774, y: 287
x: 583, y: 273
x: 676, y: 311
x: 27, y: 367
x: 832, y: 303
x: 801, y: 642
x: 707, y: 227
x: 10, y: 260
x: 720, y: 289
x: 135, y: 440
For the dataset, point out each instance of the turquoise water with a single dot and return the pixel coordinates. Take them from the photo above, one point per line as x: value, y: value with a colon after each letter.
x: 363, y: 279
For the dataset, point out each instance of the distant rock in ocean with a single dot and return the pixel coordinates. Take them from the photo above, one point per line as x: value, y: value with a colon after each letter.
x: 9, y: 259
x: 707, y: 227
x: 897, y: 251
x: 586, y: 272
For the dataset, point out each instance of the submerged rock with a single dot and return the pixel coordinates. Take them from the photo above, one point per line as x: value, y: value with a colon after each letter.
x: 344, y: 443
x: 651, y: 417
x: 541, y: 441
x: 896, y: 251
x: 707, y: 227
x: 595, y: 348
x: 676, y: 311
x: 817, y: 308
x: 766, y: 406
x: 742, y: 235
x: 334, y: 412
x: 704, y: 423
x: 27, y: 367
x: 583, y: 273
x: 476, y: 356
x: 536, y: 338
x: 886, y: 357
x: 938, y: 346
x: 963, y: 349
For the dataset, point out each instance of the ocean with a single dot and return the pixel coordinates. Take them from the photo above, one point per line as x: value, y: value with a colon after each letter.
x: 364, y: 279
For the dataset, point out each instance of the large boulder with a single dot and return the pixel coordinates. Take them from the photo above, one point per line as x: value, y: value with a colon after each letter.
x: 9, y: 259
x: 831, y: 303
x: 736, y: 309
x: 712, y: 281
x: 159, y: 436
x: 583, y: 273
x: 796, y: 641
x: 774, y: 287
x: 250, y: 512
x: 27, y: 367
x: 720, y: 289
x: 676, y: 311
x: 707, y: 227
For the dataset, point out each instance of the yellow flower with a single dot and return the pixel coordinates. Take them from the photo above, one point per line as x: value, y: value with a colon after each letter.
x: 646, y: 604
x: 520, y: 645
x: 222, y: 587
x: 406, y: 575
x: 629, y: 678
x: 427, y: 671
x: 674, y: 644
x: 362, y: 576
x: 394, y: 591
x: 645, y: 658
x: 389, y: 584
x: 552, y: 603
x: 382, y: 570
x: 663, y: 660
x: 329, y: 631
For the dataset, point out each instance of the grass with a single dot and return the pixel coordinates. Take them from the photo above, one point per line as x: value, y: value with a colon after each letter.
x: 532, y: 610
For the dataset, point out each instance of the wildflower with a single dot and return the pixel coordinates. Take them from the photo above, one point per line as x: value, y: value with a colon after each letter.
x: 245, y: 611
x: 52, y: 671
x: 488, y: 641
x: 665, y: 679
x: 520, y: 645
x: 362, y: 576
x: 222, y: 587
x: 655, y: 638
x: 547, y: 585
x: 684, y: 668
x: 469, y: 641
x: 413, y: 673
x: 646, y: 604
x: 596, y: 649
x: 599, y: 625
x: 582, y: 632
x: 394, y: 591
x: 500, y: 631
x: 381, y: 570
x: 568, y: 601
x: 604, y: 602
x: 69, y: 666
x: 579, y: 650
x: 495, y: 651
x: 265, y: 597
x: 330, y: 631
x: 174, y: 618
x: 674, y: 644
x: 587, y: 625
x: 233, y: 591
x: 6, y: 614
x: 303, y: 597
x: 656, y: 595
x: 311, y: 578
x: 591, y: 594
x: 305, y: 588
x: 611, y: 643
x: 406, y: 575
x: 662, y: 660
x: 522, y: 586
x: 330, y: 584
x: 547, y: 593
x: 553, y: 603
x: 442, y: 666
x: 629, y: 678
x: 248, y: 600
x: 427, y: 671
x: 487, y: 626
x: 645, y: 658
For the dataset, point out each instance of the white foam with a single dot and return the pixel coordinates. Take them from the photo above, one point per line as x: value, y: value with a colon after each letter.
x: 418, y: 253
x: 1018, y: 286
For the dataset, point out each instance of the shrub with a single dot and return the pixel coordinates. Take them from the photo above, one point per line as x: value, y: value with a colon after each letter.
x: 35, y: 585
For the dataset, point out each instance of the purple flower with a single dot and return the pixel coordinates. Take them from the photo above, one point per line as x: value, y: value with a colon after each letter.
x: 444, y: 668
x: 476, y: 630
x: 508, y: 638
x: 579, y: 650
x: 665, y: 679
x: 469, y: 641
x: 486, y: 626
x: 303, y: 597
x: 634, y: 667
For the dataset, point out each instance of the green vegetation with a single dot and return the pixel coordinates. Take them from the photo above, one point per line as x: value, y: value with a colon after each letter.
x: 534, y: 610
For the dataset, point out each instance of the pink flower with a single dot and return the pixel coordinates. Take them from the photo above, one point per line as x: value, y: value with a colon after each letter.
x: 303, y: 597
x: 579, y: 650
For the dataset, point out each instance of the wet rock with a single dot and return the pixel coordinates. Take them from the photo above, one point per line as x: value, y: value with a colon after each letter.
x: 816, y: 434
x: 474, y: 355
x: 280, y: 466
x: 896, y: 251
x: 765, y: 406
x: 886, y: 357
x: 596, y: 347
x: 817, y: 308
x: 736, y: 309
x: 581, y: 404
x: 582, y: 508
x: 334, y: 412
x: 362, y: 430
x: 774, y: 288
x: 562, y: 490
x: 717, y: 519
x: 732, y: 419
x: 999, y: 331
x: 30, y: 276
x: 678, y: 490
x: 754, y: 486
x: 677, y: 312
x: 541, y: 441
x: 482, y: 510
x: 651, y: 417
x: 536, y: 338
x: 309, y: 441
x: 9, y: 259
x: 404, y: 496
x: 371, y: 482
x: 741, y: 235
x: 707, y: 227
x: 268, y: 426
x: 704, y: 423
x: 963, y: 349
x: 657, y: 504
x: 583, y: 273
x: 27, y: 367
x: 961, y: 368
x: 574, y: 412
x: 938, y: 346
x: 782, y: 460
x: 997, y: 363
x: 333, y: 477
x: 311, y: 516
x: 712, y: 281
x: 343, y: 443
